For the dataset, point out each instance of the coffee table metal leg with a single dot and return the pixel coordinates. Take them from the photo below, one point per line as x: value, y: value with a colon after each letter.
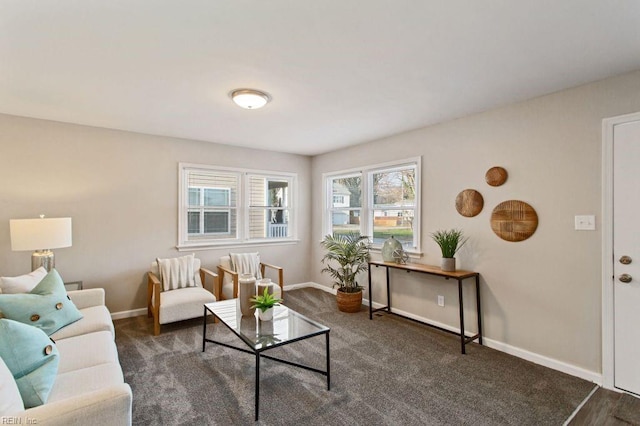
x: 257, y: 383
x: 370, y: 296
x: 388, y: 292
x: 478, y: 308
x: 328, y: 365
x: 461, y: 307
x: 204, y: 328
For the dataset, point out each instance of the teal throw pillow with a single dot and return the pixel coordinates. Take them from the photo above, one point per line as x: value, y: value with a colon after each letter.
x: 47, y: 306
x: 32, y: 359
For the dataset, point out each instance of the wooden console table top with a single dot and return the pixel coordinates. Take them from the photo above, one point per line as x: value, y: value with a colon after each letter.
x: 427, y: 269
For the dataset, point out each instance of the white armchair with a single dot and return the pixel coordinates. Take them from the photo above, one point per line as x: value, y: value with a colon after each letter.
x: 171, y: 305
x: 228, y: 274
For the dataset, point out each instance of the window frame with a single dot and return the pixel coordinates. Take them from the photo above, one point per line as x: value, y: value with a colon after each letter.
x: 242, y: 208
x: 368, y: 207
x: 269, y: 176
x: 203, y: 208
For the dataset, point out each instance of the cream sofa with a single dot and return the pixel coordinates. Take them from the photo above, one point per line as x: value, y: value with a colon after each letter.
x: 89, y: 388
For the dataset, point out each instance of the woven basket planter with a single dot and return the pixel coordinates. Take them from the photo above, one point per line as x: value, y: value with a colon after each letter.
x: 349, y: 302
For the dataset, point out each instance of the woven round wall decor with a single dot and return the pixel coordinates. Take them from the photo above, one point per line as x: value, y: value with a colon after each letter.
x: 469, y: 202
x: 496, y: 176
x: 514, y: 220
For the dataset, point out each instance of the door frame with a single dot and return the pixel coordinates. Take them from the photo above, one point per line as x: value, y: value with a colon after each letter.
x: 608, y: 125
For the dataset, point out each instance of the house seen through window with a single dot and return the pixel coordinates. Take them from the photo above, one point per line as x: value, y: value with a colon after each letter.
x: 379, y: 201
x: 205, y: 215
x: 228, y: 206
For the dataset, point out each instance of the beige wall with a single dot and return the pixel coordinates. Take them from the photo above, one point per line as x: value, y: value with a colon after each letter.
x: 542, y: 295
x: 121, y: 189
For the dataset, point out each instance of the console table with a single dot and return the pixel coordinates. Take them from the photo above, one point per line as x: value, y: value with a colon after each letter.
x: 459, y: 276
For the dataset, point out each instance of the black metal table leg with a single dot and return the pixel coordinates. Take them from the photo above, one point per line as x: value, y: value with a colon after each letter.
x: 478, y: 307
x: 257, y: 384
x: 204, y: 328
x: 328, y: 365
x: 370, y: 296
x: 388, y: 292
x: 462, y: 336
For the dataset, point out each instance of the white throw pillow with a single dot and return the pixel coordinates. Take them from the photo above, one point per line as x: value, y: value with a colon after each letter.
x: 246, y: 263
x: 196, y: 270
x: 23, y: 283
x: 176, y: 272
x: 11, y: 401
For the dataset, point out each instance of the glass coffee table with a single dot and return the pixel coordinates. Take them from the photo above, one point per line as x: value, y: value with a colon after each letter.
x: 287, y: 327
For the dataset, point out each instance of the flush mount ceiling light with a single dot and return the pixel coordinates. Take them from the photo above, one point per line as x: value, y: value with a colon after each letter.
x: 250, y: 98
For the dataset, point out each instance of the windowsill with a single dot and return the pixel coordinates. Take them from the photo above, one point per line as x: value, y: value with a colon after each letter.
x: 412, y: 254
x: 210, y: 245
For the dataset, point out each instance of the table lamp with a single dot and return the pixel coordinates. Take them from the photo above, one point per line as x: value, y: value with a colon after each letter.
x: 40, y: 235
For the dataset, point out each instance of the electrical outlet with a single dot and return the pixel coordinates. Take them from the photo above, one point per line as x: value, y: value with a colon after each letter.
x: 440, y: 300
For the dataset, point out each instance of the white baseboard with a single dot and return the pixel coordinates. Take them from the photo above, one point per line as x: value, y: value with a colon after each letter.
x: 129, y: 314
x: 310, y: 284
x: 545, y: 361
x: 509, y: 349
x: 491, y: 343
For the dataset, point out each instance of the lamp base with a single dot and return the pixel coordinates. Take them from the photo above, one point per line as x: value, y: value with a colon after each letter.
x: 43, y: 258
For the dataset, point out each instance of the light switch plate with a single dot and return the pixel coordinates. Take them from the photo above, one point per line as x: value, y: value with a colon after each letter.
x: 585, y: 223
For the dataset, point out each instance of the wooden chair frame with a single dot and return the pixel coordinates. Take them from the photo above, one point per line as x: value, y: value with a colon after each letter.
x: 234, y: 276
x: 154, y: 287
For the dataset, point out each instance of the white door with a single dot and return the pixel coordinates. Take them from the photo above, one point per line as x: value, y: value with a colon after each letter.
x: 626, y: 255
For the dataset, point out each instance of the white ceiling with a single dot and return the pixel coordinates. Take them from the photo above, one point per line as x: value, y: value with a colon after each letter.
x: 340, y: 72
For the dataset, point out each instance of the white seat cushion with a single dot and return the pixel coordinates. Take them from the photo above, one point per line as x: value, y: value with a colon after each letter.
x: 86, y: 351
x: 95, y: 318
x: 227, y: 282
x: 10, y: 399
x: 227, y: 289
x: 183, y: 303
x: 79, y: 382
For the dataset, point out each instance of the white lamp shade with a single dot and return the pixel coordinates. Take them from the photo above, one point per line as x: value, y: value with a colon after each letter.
x: 40, y: 234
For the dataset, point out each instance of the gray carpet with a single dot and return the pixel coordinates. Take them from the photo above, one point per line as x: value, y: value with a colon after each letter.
x: 387, y: 371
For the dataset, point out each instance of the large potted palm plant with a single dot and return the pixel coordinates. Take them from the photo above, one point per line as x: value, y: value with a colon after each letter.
x: 347, y: 255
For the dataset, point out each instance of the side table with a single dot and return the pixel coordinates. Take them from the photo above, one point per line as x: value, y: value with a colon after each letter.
x: 73, y: 285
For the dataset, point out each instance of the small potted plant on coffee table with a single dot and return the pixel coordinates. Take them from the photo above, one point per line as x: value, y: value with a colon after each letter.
x: 264, y: 303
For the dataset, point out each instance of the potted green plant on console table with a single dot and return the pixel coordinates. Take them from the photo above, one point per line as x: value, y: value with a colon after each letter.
x: 351, y: 253
x: 450, y: 241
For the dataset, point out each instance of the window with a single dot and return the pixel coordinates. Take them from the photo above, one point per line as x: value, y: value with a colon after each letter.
x: 229, y: 206
x: 394, y: 205
x: 378, y: 201
x: 346, y: 193
x: 208, y: 211
x: 269, y: 207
